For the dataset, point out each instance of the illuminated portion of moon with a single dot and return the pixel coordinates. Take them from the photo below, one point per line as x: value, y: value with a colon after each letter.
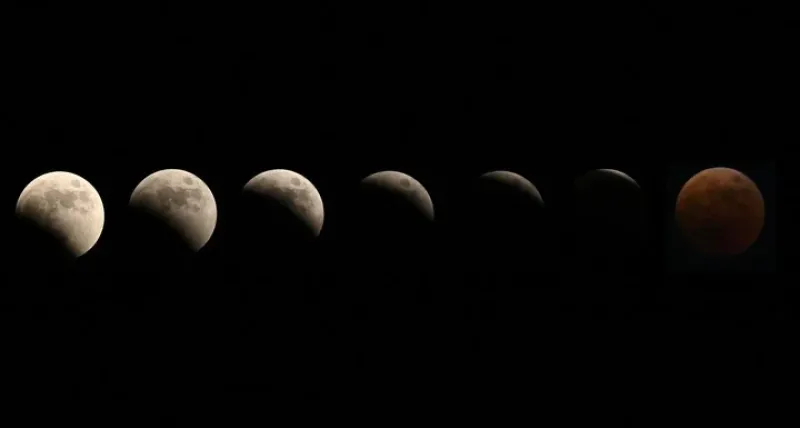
x: 403, y: 185
x: 619, y: 174
x: 720, y: 211
x: 180, y: 199
x: 66, y: 206
x: 515, y: 181
x: 293, y: 191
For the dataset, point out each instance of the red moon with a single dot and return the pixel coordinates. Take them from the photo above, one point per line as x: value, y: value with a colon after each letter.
x: 720, y: 211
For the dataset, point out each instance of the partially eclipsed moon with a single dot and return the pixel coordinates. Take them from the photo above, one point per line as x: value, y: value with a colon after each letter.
x: 403, y: 185
x: 293, y: 191
x: 66, y: 206
x: 180, y: 199
x: 512, y: 180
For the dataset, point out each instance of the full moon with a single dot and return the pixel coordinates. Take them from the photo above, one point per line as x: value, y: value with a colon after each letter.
x: 67, y: 207
x: 180, y: 199
x: 720, y: 211
x: 294, y: 192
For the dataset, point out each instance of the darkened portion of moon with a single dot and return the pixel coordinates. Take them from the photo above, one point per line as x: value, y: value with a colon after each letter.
x: 179, y: 200
x: 289, y: 193
x: 609, y: 216
x: 66, y: 207
x: 720, y: 211
x: 505, y: 211
x: 392, y: 222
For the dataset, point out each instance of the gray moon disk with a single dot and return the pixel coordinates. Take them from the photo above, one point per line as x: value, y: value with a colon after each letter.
x: 514, y: 181
x: 405, y: 185
x: 66, y: 206
x: 293, y: 191
x: 180, y: 199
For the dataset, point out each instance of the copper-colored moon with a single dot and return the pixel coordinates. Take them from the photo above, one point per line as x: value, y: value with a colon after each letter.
x: 720, y: 211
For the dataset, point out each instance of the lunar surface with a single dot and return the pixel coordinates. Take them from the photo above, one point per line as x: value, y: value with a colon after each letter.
x: 294, y: 192
x: 180, y: 199
x: 65, y: 206
x: 511, y: 180
x: 404, y: 186
x: 720, y: 211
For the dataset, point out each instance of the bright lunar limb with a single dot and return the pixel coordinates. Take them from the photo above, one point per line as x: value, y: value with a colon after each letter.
x: 405, y: 185
x: 619, y: 174
x: 180, y: 199
x: 293, y: 191
x: 66, y: 206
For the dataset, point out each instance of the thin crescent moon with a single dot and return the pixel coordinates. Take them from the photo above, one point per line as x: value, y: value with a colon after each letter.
x: 620, y: 174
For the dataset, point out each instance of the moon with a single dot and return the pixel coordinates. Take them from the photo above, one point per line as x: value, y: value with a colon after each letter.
x: 180, y: 199
x: 505, y: 210
x: 609, y: 214
x: 294, y: 192
x: 720, y: 211
x: 403, y: 186
x: 512, y: 181
x: 606, y: 192
x: 619, y: 174
x: 67, y: 207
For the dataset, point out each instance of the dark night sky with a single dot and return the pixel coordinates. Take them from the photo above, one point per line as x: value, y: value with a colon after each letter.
x: 115, y: 92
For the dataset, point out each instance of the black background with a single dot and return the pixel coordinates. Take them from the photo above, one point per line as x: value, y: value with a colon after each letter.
x: 442, y: 92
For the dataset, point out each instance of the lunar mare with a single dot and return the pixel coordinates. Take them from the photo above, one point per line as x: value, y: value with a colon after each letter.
x: 66, y: 206
x: 405, y: 185
x: 720, y: 211
x: 293, y: 191
x: 180, y: 199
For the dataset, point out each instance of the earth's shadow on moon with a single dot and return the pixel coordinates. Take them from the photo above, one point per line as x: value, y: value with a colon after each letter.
x: 158, y: 254
x: 44, y: 258
x: 36, y: 245
x: 505, y: 229
x: 390, y: 257
x: 274, y: 250
x: 607, y: 222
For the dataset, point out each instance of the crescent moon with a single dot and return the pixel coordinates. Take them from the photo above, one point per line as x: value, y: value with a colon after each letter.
x: 403, y: 184
x: 67, y: 207
x: 515, y: 181
x: 620, y: 174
